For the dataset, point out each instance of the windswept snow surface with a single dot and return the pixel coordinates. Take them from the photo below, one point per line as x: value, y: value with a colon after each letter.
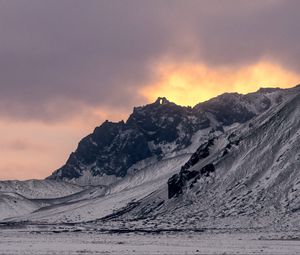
x: 39, y: 188
x: 19, y: 198
x: 69, y: 240
x: 12, y: 205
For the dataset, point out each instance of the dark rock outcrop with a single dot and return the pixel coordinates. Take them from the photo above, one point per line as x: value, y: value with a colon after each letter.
x: 177, y: 182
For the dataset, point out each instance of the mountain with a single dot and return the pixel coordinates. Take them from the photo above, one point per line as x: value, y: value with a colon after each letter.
x: 158, y: 131
x: 246, y: 178
x: 229, y: 162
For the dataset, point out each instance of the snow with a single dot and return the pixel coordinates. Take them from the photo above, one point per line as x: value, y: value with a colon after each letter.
x: 151, y: 175
x: 87, y: 178
x: 130, y: 189
x: 39, y: 188
x: 19, y: 198
x: 13, y: 205
x: 75, y: 240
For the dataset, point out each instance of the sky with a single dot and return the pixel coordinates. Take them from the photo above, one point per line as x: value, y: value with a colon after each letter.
x: 68, y: 65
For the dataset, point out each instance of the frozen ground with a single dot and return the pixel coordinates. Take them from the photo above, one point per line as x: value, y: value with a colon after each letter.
x: 78, y: 240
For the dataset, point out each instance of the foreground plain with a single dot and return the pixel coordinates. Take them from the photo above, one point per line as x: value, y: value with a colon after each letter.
x: 76, y: 240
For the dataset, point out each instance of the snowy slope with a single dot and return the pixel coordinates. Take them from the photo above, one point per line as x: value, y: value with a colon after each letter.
x: 18, y: 198
x: 254, y: 182
x: 39, y: 188
x: 130, y: 189
x: 12, y: 205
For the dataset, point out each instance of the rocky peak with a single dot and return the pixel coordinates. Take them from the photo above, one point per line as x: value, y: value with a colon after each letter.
x: 162, y: 101
x: 267, y: 90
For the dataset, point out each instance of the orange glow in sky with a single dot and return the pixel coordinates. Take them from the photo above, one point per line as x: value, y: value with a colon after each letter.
x: 43, y: 147
x: 189, y: 84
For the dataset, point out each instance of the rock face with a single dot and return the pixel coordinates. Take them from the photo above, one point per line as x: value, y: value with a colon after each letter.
x: 178, y: 181
x: 155, y: 131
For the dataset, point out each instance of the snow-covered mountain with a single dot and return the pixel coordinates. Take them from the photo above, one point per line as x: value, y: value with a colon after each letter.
x: 248, y: 177
x: 229, y: 162
x: 158, y: 131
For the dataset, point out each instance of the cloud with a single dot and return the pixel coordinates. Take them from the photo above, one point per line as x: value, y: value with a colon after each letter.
x: 191, y: 83
x: 59, y: 58
x: 67, y: 65
x: 90, y: 53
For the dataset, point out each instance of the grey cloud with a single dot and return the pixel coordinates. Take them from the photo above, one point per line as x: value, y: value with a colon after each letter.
x: 99, y: 53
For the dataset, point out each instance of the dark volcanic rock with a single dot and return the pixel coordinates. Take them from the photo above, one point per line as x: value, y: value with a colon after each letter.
x: 175, y: 185
x: 178, y: 181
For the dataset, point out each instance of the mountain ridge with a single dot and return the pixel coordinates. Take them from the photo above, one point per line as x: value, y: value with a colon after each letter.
x: 157, y: 130
x: 213, y: 169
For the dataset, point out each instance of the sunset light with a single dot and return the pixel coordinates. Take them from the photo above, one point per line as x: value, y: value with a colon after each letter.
x: 190, y: 83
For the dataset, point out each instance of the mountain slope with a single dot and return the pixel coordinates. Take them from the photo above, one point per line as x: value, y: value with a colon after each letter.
x: 19, y: 198
x: 245, y: 178
x: 13, y: 205
x: 90, y: 207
